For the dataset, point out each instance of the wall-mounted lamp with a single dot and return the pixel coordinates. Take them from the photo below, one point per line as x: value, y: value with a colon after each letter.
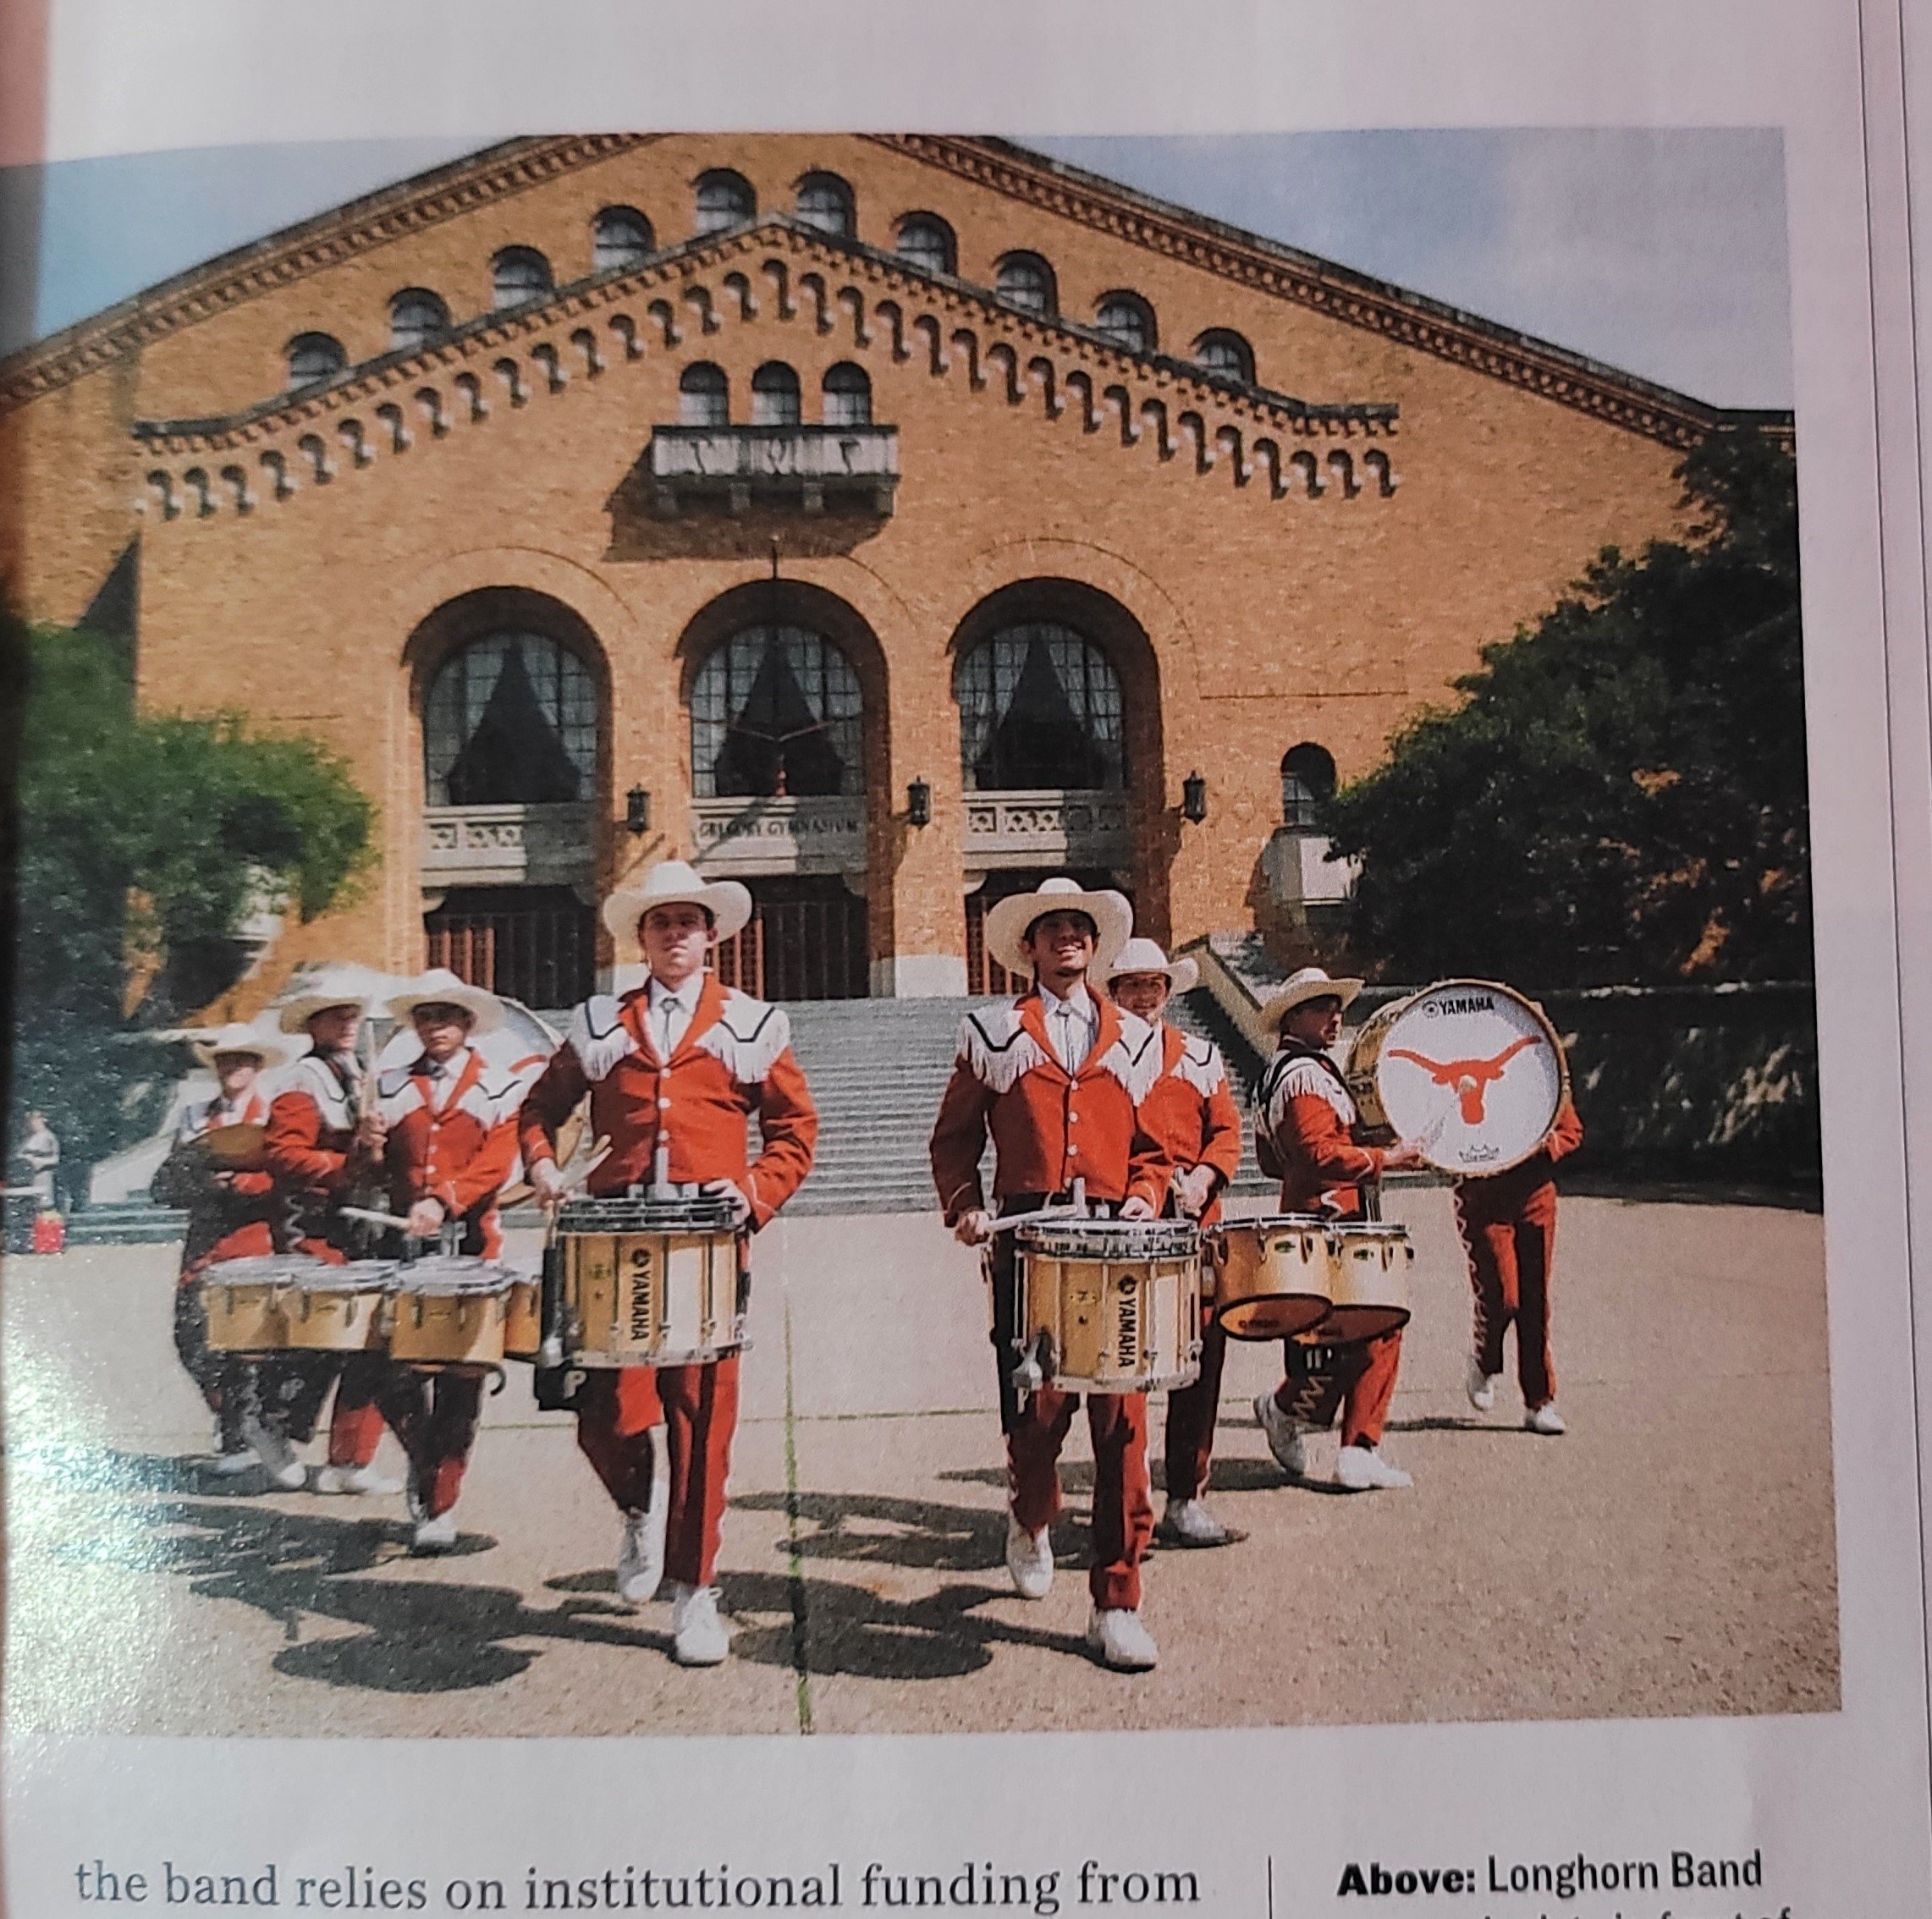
x: 919, y: 803
x: 637, y: 810
x: 1194, y: 798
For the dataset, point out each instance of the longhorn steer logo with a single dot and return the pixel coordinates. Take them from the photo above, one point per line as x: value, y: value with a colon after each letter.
x: 1470, y: 1078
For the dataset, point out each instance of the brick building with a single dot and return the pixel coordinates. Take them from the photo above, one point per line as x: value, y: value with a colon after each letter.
x: 883, y: 520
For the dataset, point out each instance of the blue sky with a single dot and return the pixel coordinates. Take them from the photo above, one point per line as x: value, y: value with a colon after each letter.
x: 1663, y: 252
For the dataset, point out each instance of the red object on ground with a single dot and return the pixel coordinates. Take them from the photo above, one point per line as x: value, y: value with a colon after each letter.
x: 49, y: 1233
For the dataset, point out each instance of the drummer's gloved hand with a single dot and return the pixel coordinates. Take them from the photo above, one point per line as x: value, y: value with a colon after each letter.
x: 973, y: 1228
x: 425, y: 1219
x: 1193, y: 1189
x: 548, y: 1183
x: 725, y: 1190
x: 1136, y: 1208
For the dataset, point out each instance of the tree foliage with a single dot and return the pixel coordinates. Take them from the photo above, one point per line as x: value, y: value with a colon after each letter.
x: 145, y: 843
x: 1621, y: 794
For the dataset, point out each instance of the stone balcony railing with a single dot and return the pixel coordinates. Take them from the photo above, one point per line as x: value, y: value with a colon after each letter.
x: 803, y: 466
x: 738, y: 835
x: 506, y: 846
x: 1052, y: 825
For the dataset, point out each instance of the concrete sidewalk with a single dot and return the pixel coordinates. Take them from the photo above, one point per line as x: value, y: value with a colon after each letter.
x: 1673, y: 1554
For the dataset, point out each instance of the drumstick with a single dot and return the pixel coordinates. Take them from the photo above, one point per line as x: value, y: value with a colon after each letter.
x: 373, y: 1217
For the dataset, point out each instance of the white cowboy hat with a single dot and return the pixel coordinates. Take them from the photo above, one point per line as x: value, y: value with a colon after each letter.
x: 668, y: 883
x: 1310, y: 983
x: 319, y: 988
x: 1145, y: 956
x: 440, y: 986
x: 235, y: 1037
x: 1008, y: 919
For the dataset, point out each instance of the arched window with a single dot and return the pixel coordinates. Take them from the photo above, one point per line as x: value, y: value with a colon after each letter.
x: 924, y: 240
x: 775, y: 395
x: 825, y: 201
x: 1127, y: 320
x: 620, y: 236
x: 1039, y: 706
x: 777, y: 710
x: 1308, y: 783
x: 724, y: 198
x: 518, y: 275
x: 847, y: 396
x: 1226, y: 352
x: 1026, y: 280
x: 314, y: 357
x: 511, y: 720
x: 704, y: 396
x: 416, y: 317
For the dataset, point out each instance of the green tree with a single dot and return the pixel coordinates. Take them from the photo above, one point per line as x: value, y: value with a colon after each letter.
x: 144, y: 840
x: 1621, y: 793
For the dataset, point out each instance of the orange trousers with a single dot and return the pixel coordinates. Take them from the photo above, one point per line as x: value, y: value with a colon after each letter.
x: 697, y: 1406
x: 1358, y: 1378
x: 1510, y: 1262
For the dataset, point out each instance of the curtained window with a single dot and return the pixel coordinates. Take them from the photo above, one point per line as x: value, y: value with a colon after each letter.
x: 777, y: 710
x: 1039, y: 706
x: 511, y: 720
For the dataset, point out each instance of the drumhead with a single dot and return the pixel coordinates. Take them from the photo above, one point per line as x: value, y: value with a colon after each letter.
x: 1111, y: 1238
x: 451, y: 1274
x: 1367, y: 1230
x: 358, y: 1276
x: 1473, y: 1073
x: 702, y: 1214
x: 1270, y: 1223
x: 265, y: 1269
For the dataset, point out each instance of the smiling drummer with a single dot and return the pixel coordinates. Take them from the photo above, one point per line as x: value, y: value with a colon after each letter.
x: 688, y: 1059
x: 1308, y: 1122
x: 229, y: 1199
x: 447, y: 1121
x: 1191, y: 1114
x: 1055, y: 1077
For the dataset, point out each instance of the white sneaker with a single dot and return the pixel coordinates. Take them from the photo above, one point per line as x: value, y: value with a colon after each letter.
x: 360, y: 1480
x: 1481, y: 1386
x: 698, y: 1635
x: 436, y: 1535
x: 232, y: 1466
x: 1361, y: 1469
x: 276, y: 1456
x: 1545, y: 1420
x: 1030, y: 1560
x: 1285, y: 1439
x: 640, y: 1552
x: 1121, y: 1641
x: 1188, y: 1522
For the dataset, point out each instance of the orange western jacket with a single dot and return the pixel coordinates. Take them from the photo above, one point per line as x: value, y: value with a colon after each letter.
x: 459, y: 1153
x: 734, y: 1059
x: 313, y: 1152
x: 1049, y: 1127
x: 1309, y: 1120
x: 1501, y: 1196
x: 1190, y: 1113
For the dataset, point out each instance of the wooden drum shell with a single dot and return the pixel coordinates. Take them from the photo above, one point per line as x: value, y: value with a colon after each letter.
x: 448, y: 1326
x: 1369, y: 1269
x: 659, y: 1298
x: 1273, y: 1276
x: 339, y: 1310
x: 1112, y: 1320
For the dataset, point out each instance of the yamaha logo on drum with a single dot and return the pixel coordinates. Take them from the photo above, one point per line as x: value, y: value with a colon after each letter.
x: 641, y: 1325
x: 1127, y: 1324
x: 1462, y: 1003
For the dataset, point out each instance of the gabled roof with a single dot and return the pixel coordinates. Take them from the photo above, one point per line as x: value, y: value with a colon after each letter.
x: 1068, y: 192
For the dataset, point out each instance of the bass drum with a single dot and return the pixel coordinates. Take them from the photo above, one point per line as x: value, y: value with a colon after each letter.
x: 1470, y: 1071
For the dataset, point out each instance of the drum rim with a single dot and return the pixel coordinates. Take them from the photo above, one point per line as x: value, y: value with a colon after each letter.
x: 1273, y: 1222
x: 1144, y: 1237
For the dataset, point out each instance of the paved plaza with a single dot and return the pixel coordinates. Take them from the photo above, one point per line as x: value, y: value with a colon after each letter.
x: 1672, y: 1555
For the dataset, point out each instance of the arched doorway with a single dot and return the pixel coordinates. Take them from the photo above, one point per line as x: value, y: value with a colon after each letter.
x: 1057, y: 719
x: 512, y: 706
x: 778, y: 724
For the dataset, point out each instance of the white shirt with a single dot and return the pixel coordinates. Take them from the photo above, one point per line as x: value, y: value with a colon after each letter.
x: 1073, y: 1024
x: 671, y: 1011
x: 442, y: 1078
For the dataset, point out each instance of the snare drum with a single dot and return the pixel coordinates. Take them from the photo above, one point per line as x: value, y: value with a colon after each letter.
x: 1272, y: 1275
x: 1369, y: 1262
x: 523, y: 1318
x: 450, y: 1310
x: 244, y: 1299
x: 337, y: 1309
x: 651, y: 1281
x: 1111, y: 1306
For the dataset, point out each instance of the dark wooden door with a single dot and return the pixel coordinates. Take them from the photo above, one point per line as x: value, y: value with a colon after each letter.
x: 534, y: 943
x: 807, y: 940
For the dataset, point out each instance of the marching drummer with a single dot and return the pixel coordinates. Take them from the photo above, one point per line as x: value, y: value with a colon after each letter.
x: 324, y: 1152
x: 1055, y: 1077
x: 1508, y: 1224
x: 686, y: 1060
x: 447, y: 1122
x: 1307, y: 1124
x: 230, y: 1207
x: 1191, y: 1114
